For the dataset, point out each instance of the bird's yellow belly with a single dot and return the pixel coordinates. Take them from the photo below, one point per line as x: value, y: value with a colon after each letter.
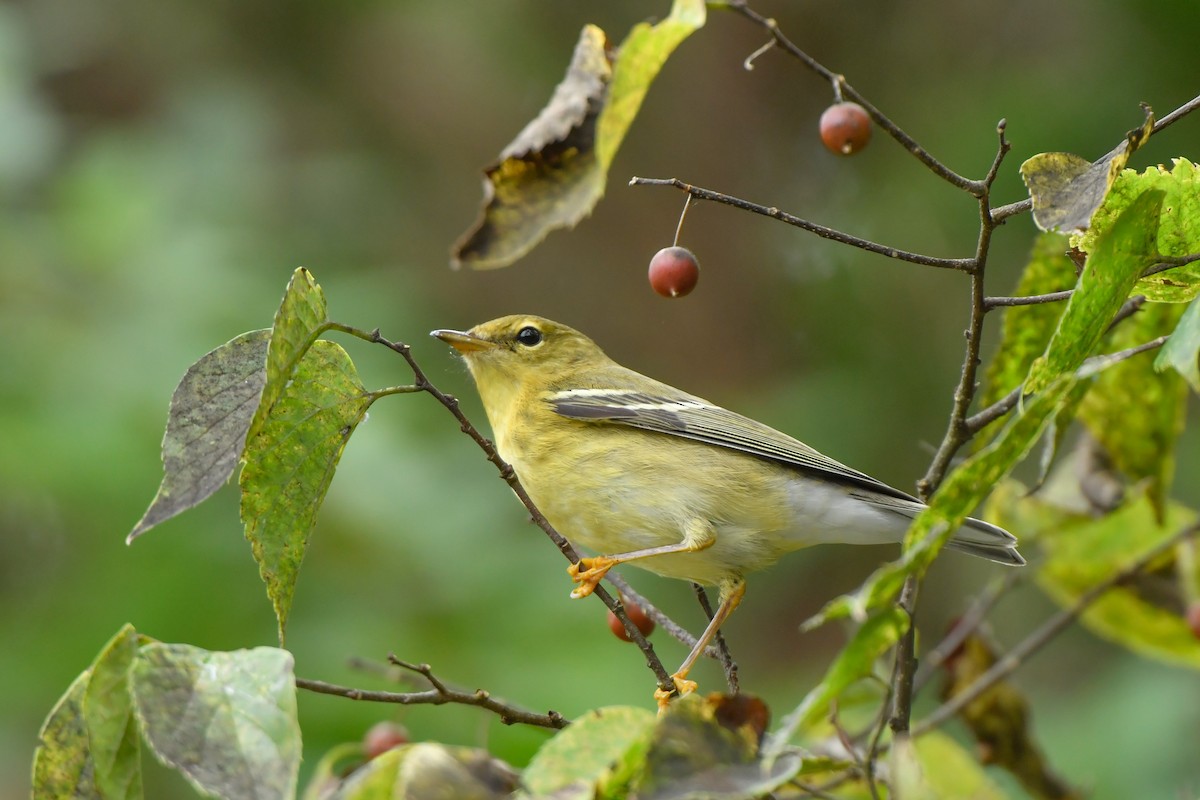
x: 624, y: 499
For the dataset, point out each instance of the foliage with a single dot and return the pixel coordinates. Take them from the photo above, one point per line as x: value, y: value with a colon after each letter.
x: 282, y: 404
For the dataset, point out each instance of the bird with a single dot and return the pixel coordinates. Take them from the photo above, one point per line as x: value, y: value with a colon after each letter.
x: 643, y: 473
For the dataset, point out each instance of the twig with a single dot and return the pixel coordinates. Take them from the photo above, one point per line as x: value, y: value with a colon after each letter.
x: 1046, y: 632
x: 1002, y: 213
x: 1089, y: 367
x: 510, y: 477
x: 957, y: 432
x: 440, y: 694
x: 967, y: 624
x: 906, y: 661
x: 700, y: 193
x: 669, y: 625
x: 864, y: 764
x: 976, y: 188
x: 1167, y: 263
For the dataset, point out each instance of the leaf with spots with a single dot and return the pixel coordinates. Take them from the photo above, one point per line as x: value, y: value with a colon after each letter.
x: 1066, y: 189
x: 290, y: 463
x: 553, y: 173
x: 226, y: 720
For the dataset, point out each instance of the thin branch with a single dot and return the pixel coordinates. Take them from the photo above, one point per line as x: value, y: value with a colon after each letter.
x: 1045, y: 633
x: 1088, y: 368
x: 440, y: 695
x: 1002, y: 213
x: 960, y: 264
x: 976, y: 188
x: 669, y: 625
x: 510, y: 477
x: 1167, y: 263
x: 906, y: 661
x: 1028, y: 300
x: 957, y: 432
x: 967, y: 624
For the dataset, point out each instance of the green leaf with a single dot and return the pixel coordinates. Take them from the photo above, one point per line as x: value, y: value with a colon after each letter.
x: 1182, y: 351
x: 874, y: 637
x: 959, y: 494
x: 693, y: 756
x: 62, y: 763
x: 1066, y: 190
x: 1178, y: 230
x: 1027, y: 329
x: 1084, y: 551
x: 326, y: 775
x: 598, y: 749
x: 301, y: 317
x: 935, y: 767
x: 226, y: 721
x: 553, y: 173
x: 290, y: 463
x: 430, y: 771
x: 108, y: 714
x: 210, y: 413
x: 1135, y: 413
x: 638, y: 63
x: 1122, y: 253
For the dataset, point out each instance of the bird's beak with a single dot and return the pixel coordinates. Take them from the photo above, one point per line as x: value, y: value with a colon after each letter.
x: 463, y: 341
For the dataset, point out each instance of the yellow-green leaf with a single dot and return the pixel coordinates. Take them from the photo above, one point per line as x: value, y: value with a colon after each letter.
x: 873, y: 638
x: 1135, y: 412
x: 600, y: 748
x: 1027, y: 329
x: 693, y: 755
x: 1182, y: 351
x: 935, y: 767
x: 553, y: 173
x: 62, y: 763
x: 290, y: 463
x: 1178, y: 230
x: 298, y: 321
x: 430, y: 771
x: 113, y: 736
x: 1083, y: 551
x: 1121, y: 254
x: 1066, y: 189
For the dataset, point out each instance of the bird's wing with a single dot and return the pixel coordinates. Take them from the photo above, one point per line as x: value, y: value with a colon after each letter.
x: 678, y: 414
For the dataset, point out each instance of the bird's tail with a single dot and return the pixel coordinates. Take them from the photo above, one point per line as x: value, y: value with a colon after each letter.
x: 983, y: 539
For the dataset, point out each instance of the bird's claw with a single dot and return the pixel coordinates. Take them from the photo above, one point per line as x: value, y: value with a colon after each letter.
x: 682, y: 686
x: 588, y: 572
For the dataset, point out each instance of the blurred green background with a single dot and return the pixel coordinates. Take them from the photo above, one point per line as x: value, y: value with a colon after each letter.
x: 164, y: 166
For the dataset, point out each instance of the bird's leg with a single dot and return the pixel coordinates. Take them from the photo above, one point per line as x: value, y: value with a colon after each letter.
x: 588, y: 572
x: 731, y: 596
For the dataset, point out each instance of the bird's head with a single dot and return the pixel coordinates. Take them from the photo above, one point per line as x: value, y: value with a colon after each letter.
x: 522, y: 350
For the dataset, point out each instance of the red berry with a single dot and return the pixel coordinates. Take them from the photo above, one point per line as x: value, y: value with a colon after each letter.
x: 1193, y: 617
x: 845, y: 128
x: 636, y: 616
x: 383, y: 736
x: 674, y: 271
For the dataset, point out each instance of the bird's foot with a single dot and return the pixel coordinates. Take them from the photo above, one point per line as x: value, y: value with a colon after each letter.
x: 682, y: 686
x: 588, y: 573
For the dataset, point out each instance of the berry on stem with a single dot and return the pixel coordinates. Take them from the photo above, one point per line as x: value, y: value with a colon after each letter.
x: 845, y: 128
x: 674, y: 271
x: 1193, y: 617
x: 636, y: 615
x: 383, y: 736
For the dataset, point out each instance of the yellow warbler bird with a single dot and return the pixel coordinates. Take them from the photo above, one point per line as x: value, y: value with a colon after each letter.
x: 646, y: 474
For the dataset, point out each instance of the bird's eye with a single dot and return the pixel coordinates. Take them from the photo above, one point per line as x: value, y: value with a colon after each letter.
x: 529, y: 336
